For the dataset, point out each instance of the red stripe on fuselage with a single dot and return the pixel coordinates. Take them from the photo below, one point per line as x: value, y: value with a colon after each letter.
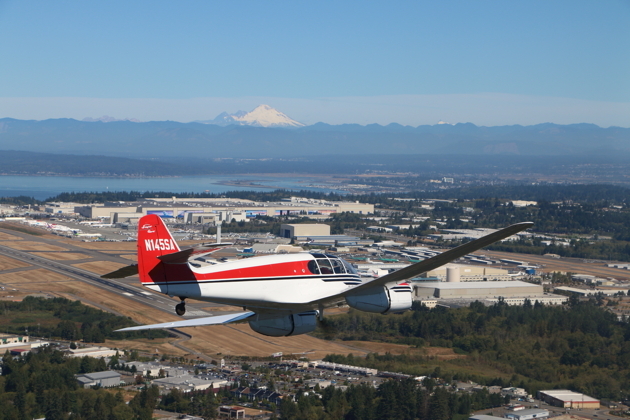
x: 295, y: 268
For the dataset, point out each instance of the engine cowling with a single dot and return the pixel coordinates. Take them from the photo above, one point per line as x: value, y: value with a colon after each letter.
x: 382, y: 299
x: 281, y: 326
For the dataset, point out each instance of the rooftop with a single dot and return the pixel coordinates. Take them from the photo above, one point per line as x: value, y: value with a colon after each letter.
x: 566, y: 395
x: 474, y: 284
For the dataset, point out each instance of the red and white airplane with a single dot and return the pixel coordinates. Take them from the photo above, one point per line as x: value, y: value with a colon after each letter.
x: 281, y: 295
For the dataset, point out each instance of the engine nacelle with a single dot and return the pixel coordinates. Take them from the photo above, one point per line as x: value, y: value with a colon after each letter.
x: 382, y: 299
x: 280, y: 326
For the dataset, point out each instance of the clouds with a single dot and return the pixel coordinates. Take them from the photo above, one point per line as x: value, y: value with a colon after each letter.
x: 481, y: 109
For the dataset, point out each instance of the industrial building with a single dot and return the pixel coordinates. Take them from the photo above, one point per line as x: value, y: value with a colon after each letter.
x: 239, y: 209
x: 476, y: 289
x: 591, y: 292
x: 533, y: 413
x: 567, y: 399
x: 343, y: 368
x: 304, y: 230
x: 103, y: 379
x: 462, y: 294
x: 468, y: 273
x: 188, y: 383
x: 12, y: 339
x: 91, y: 352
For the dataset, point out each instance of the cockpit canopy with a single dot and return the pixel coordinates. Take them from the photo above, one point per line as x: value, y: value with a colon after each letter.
x: 330, y: 264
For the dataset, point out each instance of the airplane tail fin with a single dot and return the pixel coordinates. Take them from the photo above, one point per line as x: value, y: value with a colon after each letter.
x: 154, y: 241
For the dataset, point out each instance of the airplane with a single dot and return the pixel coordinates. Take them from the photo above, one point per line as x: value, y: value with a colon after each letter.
x: 281, y: 295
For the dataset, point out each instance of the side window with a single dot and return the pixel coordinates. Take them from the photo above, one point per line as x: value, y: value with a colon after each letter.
x: 324, y: 266
x: 312, y: 267
x: 337, y: 267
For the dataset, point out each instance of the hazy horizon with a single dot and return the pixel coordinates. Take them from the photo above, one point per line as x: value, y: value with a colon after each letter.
x: 412, y: 110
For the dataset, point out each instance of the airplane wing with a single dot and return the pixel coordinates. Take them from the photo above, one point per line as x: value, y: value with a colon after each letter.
x: 183, y: 256
x: 197, y: 322
x: 432, y: 263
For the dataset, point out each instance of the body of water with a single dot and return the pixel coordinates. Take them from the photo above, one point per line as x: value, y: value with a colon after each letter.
x: 44, y: 187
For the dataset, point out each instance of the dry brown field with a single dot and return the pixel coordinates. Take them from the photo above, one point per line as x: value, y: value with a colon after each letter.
x: 233, y: 340
x: 7, y: 263
x: 105, y: 246
x: 439, y: 353
x: 100, y: 267
x: 31, y: 246
x: 239, y: 339
x: 24, y: 228
x: 145, y: 345
x: 61, y: 256
x: 382, y: 348
x: 7, y: 237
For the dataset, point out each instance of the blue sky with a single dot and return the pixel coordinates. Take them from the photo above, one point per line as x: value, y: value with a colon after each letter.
x: 410, y: 62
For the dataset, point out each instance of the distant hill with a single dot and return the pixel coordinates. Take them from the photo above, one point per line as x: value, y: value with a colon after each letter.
x: 173, y: 139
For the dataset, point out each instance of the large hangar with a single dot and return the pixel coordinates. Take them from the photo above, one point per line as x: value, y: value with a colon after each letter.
x: 568, y: 399
x: 304, y: 229
x: 469, y: 273
x: 476, y: 289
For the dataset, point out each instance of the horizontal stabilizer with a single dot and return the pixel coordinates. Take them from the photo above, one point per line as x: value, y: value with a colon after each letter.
x: 130, y: 270
x: 197, y: 322
x: 182, y: 257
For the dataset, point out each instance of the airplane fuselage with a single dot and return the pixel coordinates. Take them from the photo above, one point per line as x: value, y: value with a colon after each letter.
x: 286, y: 280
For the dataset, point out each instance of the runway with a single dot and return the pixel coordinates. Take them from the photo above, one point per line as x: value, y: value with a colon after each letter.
x: 137, y: 293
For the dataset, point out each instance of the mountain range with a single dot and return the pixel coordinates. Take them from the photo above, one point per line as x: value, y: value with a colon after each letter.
x: 266, y: 132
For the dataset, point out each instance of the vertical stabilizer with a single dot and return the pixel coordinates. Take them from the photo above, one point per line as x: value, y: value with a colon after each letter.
x: 154, y: 240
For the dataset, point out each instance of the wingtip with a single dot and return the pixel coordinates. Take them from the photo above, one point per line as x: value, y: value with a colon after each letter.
x: 526, y: 224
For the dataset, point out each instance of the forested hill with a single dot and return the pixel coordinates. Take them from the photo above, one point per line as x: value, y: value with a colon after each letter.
x: 581, y: 347
x: 169, y: 138
x: 489, y: 196
x: 420, y: 167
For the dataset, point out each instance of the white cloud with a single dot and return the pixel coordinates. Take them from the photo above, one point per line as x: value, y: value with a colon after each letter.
x: 482, y: 109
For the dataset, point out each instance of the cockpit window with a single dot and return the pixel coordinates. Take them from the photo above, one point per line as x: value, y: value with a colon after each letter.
x: 324, y: 266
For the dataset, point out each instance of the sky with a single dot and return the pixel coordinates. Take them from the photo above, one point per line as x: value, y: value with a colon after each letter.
x: 409, y: 62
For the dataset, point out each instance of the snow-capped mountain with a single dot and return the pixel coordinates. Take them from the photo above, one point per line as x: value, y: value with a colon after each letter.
x: 262, y: 116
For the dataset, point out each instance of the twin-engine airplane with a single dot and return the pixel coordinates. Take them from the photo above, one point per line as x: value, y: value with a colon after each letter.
x: 281, y: 295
